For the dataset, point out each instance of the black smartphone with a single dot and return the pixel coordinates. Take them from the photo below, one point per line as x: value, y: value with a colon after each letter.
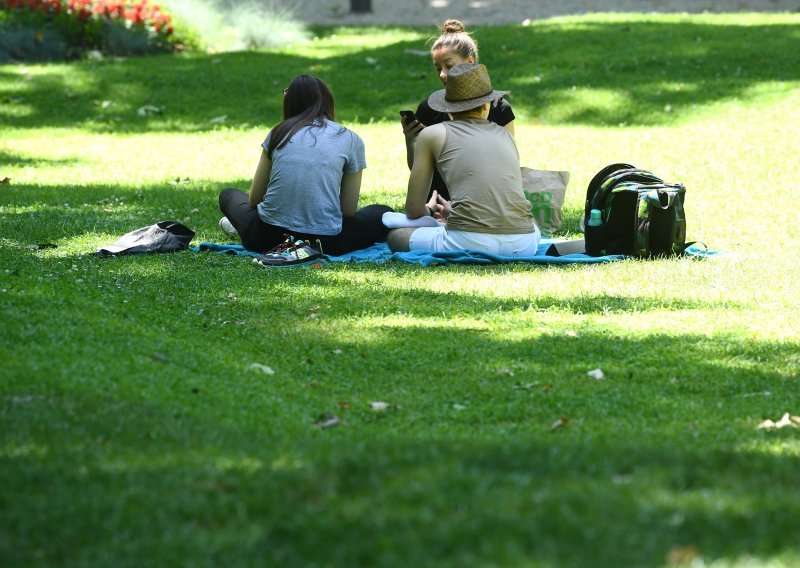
x: 408, y: 116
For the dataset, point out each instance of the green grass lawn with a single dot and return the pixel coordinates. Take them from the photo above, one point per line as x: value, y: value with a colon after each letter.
x: 135, y: 431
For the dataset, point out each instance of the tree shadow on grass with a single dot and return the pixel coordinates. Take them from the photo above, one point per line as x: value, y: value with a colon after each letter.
x: 165, y: 277
x: 387, y: 501
x: 56, y: 213
x: 16, y: 160
x: 191, y: 457
x: 595, y: 73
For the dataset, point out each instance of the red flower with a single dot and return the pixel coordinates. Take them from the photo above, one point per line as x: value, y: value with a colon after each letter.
x: 137, y: 12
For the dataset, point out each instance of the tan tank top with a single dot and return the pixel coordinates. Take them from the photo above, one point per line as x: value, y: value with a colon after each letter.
x: 479, y: 163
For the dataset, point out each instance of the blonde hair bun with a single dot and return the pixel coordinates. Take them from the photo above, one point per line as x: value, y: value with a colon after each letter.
x: 451, y: 27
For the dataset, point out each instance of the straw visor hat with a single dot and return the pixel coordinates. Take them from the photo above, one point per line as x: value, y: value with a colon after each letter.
x: 468, y: 87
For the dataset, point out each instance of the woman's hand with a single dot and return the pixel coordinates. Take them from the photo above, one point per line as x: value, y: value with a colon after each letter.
x: 438, y: 206
x: 442, y: 207
x: 433, y: 203
x: 411, y: 129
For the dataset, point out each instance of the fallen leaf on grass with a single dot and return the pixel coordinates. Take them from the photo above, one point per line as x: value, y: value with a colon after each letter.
x: 459, y: 407
x: 337, y: 351
x: 786, y: 420
x: 560, y: 423
x: 379, y: 406
x: 547, y: 388
x: 262, y: 368
x: 147, y: 110
x: 761, y: 393
x: 219, y: 119
x: 596, y: 374
x: 621, y: 479
x: 160, y: 357
x: 179, y: 181
x: 505, y: 371
x: 327, y: 420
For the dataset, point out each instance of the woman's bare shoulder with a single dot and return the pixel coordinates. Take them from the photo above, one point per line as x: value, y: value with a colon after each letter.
x: 434, y: 131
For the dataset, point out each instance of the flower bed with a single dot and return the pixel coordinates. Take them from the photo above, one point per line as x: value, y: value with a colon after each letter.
x: 57, y: 29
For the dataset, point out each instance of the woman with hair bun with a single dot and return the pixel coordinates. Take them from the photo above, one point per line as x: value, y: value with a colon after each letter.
x: 453, y: 46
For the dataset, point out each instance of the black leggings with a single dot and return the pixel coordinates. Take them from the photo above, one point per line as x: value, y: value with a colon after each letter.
x: 358, y: 232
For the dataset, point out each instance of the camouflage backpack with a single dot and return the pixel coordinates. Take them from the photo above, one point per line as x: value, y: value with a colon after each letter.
x: 640, y: 214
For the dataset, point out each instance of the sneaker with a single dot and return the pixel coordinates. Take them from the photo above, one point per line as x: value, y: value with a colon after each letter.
x: 291, y: 252
x: 228, y: 228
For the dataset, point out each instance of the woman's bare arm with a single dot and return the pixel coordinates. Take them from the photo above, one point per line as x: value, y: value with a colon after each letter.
x: 260, y: 180
x: 428, y: 146
x: 348, y: 195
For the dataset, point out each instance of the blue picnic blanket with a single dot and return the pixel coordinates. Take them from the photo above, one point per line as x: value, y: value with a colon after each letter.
x: 380, y: 253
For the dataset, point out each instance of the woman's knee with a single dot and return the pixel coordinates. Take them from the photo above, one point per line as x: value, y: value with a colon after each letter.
x: 373, y: 212
x: 229, y: 194
x: 398, y: 240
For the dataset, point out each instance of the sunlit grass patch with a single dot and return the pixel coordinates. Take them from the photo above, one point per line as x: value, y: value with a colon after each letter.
x: 133, y: 402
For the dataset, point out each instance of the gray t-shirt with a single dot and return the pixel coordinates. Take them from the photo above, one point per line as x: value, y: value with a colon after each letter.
x: 306, y: 177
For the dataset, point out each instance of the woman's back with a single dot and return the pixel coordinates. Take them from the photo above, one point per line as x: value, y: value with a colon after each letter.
x: 480, y: 164
x: 306, y: 175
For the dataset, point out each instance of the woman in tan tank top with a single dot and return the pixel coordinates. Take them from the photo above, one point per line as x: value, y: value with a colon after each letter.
x: 479, y: 161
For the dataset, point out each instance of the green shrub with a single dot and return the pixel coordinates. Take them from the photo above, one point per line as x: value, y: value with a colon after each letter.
x: 232, y: 26
x: 20, y: 40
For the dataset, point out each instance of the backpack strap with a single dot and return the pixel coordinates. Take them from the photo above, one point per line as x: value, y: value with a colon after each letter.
x: 597, y: 182
x: 625, y: 176
x: 601, y: 176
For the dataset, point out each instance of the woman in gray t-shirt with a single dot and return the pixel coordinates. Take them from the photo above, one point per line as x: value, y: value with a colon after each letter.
x: 307, y: 182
